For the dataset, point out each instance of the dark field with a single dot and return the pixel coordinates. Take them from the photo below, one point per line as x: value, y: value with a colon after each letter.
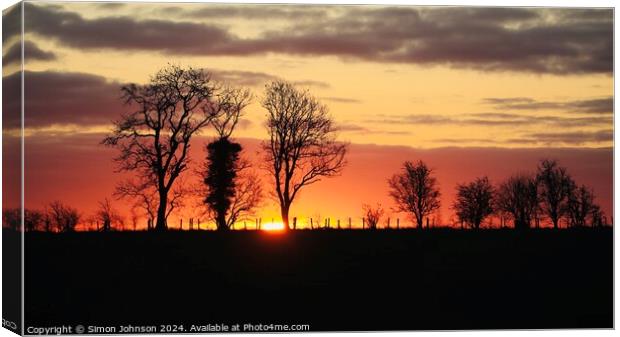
x: 331, y: 280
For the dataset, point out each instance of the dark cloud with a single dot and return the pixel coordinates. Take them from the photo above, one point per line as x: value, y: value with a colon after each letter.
x: 125, y: 33
x: 563, y: 138
x: 536, y: 40
x: 249, y: 11
x: 494, y: 119
x: 342, y: 100
x: 574, y: 138
x: 11, y: 22
x: 62, y: 98
x: 594, y: 106
x: 32, y: 52
x: 111, y: 5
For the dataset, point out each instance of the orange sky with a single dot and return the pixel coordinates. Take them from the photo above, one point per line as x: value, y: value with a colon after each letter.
x: 506, y: 87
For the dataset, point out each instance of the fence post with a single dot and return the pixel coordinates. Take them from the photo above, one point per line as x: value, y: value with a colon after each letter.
x: 295, y: 222
x: 397, y: 223
x: 388, y: 224
x: 363, y: 223
x: 349, y: 222
x: 181, y: 225
x: 338, y: 223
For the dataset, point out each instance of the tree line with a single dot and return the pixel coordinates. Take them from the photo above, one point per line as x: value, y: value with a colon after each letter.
x: 550, y: 194
x: 154, y: 135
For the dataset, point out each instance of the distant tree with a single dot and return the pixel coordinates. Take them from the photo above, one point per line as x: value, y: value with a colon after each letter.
x: 598, y: 217
x: 64, y: 218
x: 581, y: 206
x: 302, y: 146
x: 518, y: 197
x: 474, y: 201
x: 554, y: 186
x: 415, y: 191
x: 372, y: 215
x: 33, y: 220
x: 12, y: 218
x: 108, y: 216
x: 145, y: 198
x: 154, y: 139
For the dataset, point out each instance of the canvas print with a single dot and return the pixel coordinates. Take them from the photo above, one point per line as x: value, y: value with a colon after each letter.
x: 211, y: 167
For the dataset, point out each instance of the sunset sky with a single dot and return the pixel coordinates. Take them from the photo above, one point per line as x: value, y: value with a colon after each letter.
x: 471, y: 91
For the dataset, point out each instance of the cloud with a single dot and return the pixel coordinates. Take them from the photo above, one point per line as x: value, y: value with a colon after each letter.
x: 251, y: 12
x: 242, y: 78
x: 533, y: 40
x: 594, y: 106
x: 311, y: 83
x: 354, y: 128
x: 494, y: 119
x: 574, y: 138
x: 124, y: 33
x: 56, y: 98
x: 342, y: 100
x: 253, y: 78
x: 31, y: 53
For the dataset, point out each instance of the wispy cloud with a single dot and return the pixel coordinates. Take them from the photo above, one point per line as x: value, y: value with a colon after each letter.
x: 594, y: 106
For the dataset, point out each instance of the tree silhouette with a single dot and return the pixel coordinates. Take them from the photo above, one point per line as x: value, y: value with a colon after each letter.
x: 222, y: 166
x: 33, y: 220
x: 145, y: 196
x: 518, y: 197
x: 302, y: 145
x: 372, y: 215
x: 474, y: 201
x: 155, y: 137
x: 108, y: 216
x: 581, y: 206
x: 12, y: 218
x: 415, y: 191
x: 64, y: 218
x: 554, y: 185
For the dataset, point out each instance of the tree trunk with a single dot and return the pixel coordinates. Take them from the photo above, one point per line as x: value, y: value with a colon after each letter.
x: 221, y: 222
x: 420, y: 221
x: 284, y: 212
x: 161, y: 213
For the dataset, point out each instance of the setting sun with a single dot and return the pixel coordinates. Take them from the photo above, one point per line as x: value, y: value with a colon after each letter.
x: 273, y: 226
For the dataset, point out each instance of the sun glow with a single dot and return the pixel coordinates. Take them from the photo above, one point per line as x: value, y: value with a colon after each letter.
x: 273, y: 226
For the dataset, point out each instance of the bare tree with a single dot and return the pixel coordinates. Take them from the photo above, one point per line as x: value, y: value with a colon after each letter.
x: 108, y: 216
x: 415, y: 191
x: 155, y: 137
x: 581, y: 205
x: 474, y: 201
x: 33, y: 220
x: 64, y: 218
x: 12, y: 218
x: 145, y: 196
x: 518, y: 197
x: 372, y: 215
x: 302, y: 146
x: 227, y: 109
x: 554, y: 186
